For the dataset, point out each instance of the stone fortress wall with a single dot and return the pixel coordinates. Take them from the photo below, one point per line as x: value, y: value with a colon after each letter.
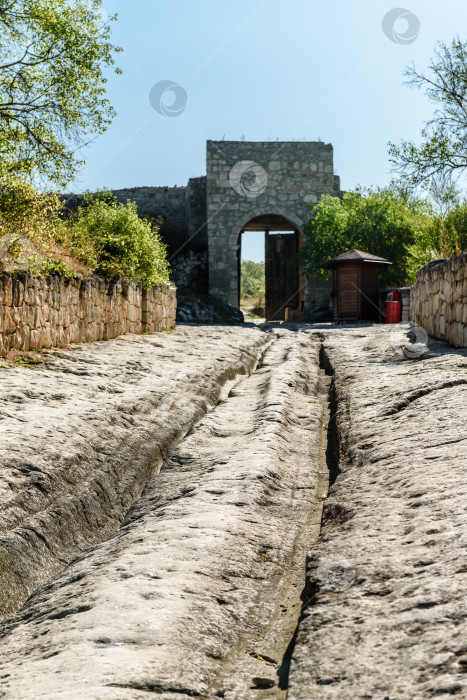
x: 439, y: 300
x: 206, y: 217
x: 182, y: 211
x: 37, y: 311
x: 290, y: 177
x: 202, y: 223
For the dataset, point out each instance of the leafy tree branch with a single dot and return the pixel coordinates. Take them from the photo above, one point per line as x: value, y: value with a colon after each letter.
x: 54, y: 58
x: 442, y: 155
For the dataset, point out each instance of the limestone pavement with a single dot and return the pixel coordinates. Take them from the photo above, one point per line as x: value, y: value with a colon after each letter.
x: 195, y: 586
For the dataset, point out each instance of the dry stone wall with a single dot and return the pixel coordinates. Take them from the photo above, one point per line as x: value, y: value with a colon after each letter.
x: 190, y: 271
x: 439, y: 300
x: 37, y: 311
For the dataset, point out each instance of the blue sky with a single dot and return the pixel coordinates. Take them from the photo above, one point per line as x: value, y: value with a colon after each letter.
x: 265, y: 70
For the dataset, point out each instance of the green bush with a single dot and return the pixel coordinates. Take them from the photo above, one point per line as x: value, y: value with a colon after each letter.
x: 50, y: 266
x: 27, y: 219
x: 456, y: 227
x: 113, y: 240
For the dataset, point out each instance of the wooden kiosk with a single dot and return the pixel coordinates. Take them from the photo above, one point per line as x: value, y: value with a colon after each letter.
x: 355, y: 286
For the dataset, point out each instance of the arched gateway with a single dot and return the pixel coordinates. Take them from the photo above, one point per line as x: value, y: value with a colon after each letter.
x: 285, y: 284
x: 264, y: 186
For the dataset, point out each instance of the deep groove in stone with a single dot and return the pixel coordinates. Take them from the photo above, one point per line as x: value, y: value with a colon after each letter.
x: 58, y: 558
x: 330, y: 458
x: 158, y: 689
x: 333, y: 437
x: 297, y: 447
x: 408, y: 400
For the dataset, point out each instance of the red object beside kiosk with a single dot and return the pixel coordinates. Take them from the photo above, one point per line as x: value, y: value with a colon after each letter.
x: 393, y: 312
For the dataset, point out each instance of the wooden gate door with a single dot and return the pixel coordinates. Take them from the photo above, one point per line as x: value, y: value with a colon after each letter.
x: 282, y: 285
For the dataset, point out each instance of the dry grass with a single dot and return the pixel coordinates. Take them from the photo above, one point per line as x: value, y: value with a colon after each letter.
x: 21, y: 358
x: 42, y: 252
x: 75, y: 265
x: 253, y: 308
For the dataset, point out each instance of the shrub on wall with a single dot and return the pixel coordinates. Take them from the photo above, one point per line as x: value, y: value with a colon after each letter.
x: 50, y: 266
x: 101, y: 236
x: 113, y: 240
x: 26, y: 219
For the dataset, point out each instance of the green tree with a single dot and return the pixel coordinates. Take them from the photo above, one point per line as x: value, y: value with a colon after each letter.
x: 253, y: 280
x: 377, y: 222
x: 445, y: 196
x: 53, y: 58
x: 27, y: 220
x: 456, y: 227
x: 443, y: 152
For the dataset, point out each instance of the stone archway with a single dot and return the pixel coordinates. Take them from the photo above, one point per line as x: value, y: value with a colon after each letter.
x: 246, y: 180
x: 285, y: 283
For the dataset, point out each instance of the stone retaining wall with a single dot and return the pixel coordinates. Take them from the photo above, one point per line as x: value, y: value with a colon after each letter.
x: 37, y: 311
x: 439, y: 300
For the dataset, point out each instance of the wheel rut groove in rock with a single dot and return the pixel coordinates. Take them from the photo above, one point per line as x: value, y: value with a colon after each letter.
x: 198, y: 592
x: 82, y: 434
x: 387, y: 580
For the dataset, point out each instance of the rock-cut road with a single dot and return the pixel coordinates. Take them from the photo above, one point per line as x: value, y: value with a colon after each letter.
x: 234, y: 513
